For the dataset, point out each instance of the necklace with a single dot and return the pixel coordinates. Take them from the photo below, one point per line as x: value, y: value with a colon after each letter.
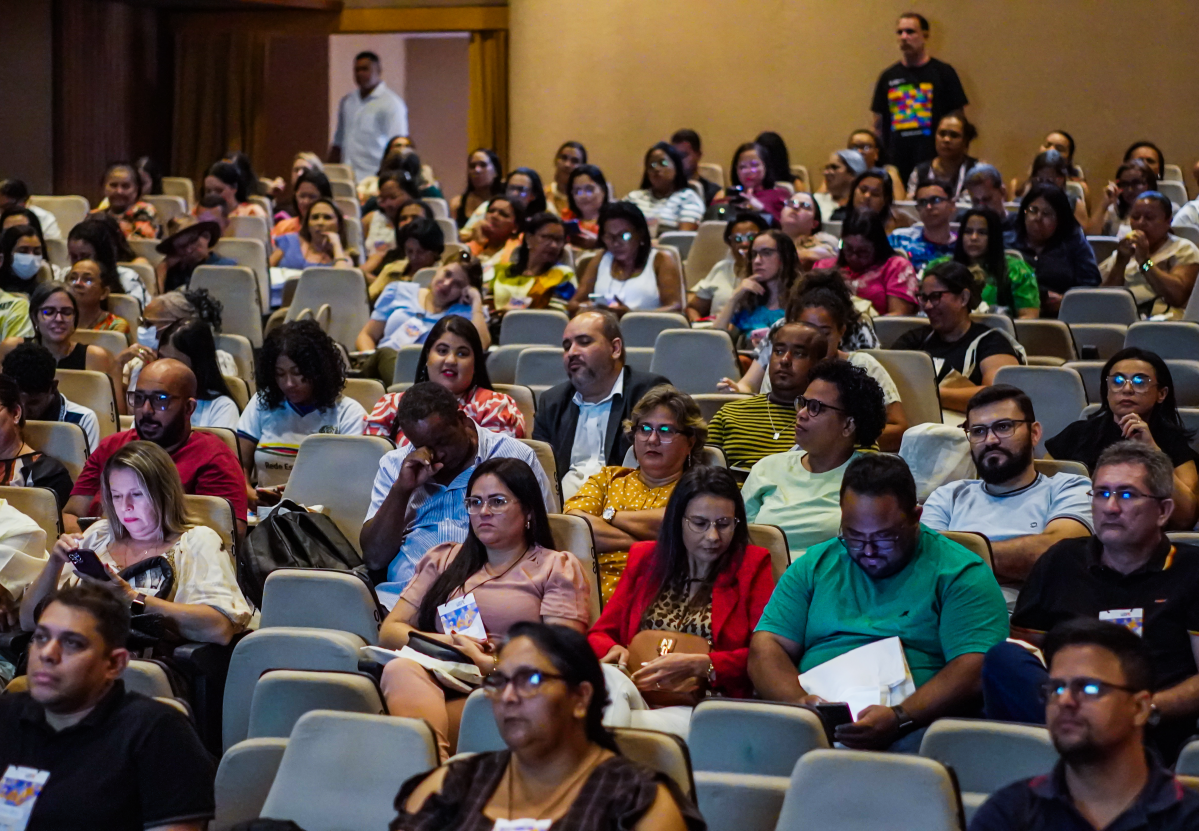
x: 771, y: 417
x: 584, y: 770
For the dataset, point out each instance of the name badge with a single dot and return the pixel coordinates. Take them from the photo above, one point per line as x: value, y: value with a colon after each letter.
x: 413, y: 329
x: 19, y: 791
x: 522, y: 825
x: 462, y: 615
x: 1131, y: 619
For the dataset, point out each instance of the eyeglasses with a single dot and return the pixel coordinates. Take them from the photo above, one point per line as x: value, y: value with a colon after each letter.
x: 750, y: 165
x: 930, y: 201
x: 82, y: 280
x: 623, y: 236
x: 700, y: 525
x: 1127, y: 185
x: 1122, y: 495
x: 800, y: 204
x: 661, y: 164
x: 586, y: 190
x: 518, y: 190
x: 526, y: 682
x: 862, y: 146
x: 495, y: 504
x: 931, y: 297
x: 665, y: 432
x: 47, y: 312
x: 881, y: 545
x: 1003, y: 429
x: 763, y: 252
x: 1082, y: 690
x: 740, y: 238
x: 1033, y: 212
x: 159, y: 401
x: 1140, y: 382
x: 814, y: 406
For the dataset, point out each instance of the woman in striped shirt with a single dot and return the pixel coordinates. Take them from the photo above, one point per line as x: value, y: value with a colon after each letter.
x: 668, y: 202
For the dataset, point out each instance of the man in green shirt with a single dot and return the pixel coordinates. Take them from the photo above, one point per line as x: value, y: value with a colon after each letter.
x: 885, y: 576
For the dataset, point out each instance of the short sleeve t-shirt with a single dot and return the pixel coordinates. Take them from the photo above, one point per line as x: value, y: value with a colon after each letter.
x: 278, y: 432
x: 807, y: 506
x: 1175, y: 251
x: 944, y: 604
x: 683, y: 205
x: 894, y: 277
x: 216, y: 412
x: 405, y: 319
x: 751, y: 429
x: 952, y: 356
x: 966, y: 505
x: 1084, y: 440
x: 911, y: 100
x: 719, y: 286
x: 1023, y: 291
x: 920, y: 250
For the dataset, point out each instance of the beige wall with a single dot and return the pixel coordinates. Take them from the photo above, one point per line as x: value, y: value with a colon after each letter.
x: 438, y: 84
x: 619, y: 75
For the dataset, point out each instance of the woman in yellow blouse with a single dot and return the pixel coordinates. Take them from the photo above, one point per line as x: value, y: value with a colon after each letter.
x: 626, y: 505
x: 535, y: 279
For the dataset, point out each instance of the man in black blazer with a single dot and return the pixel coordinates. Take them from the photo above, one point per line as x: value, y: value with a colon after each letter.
x: 581, y: 418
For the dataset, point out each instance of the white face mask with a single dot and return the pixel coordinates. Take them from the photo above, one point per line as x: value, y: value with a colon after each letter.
x: 147, y: 336
x: 26, y: 266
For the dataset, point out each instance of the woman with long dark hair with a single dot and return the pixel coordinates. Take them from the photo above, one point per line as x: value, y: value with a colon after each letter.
x: 587, y: 194
x: 191, y: 343
x: 871, y: 267
x: 321, y: 240
x: 761, y: 298
x: 484, y: 179
x: 22, y: 254
x: 99, y: 238
x: 508, y: 565
x: 534, y: 278
x: 571, y: 155
x: 953, y: 161
x: 872, y: 190
x: 309, y: 186
x: 753, y: 185
x: 1110, y: 216
x: 1052, y: 243
x: 630, y: 275
x: 1009, y: 285
x: 664, y: 197
x: 225, y: 179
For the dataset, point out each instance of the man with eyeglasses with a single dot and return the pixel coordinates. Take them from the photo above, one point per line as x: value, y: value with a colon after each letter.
x: 1021, y: 512
x: 162, y: 405
x: 1098, y: 705
x: 934, y: 203
x: 912, y: 96
x: 883, y: 576
x: 1128, y: 573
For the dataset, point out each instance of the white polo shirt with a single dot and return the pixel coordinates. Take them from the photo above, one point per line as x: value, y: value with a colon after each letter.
x: 587, y: 454
x: 365, y: 124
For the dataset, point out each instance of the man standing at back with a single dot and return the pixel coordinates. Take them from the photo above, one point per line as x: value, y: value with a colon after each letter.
x: 367, y: 118
x: 912, y: 95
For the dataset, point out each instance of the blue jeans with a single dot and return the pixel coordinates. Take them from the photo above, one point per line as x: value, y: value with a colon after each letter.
x: 1012, y: 679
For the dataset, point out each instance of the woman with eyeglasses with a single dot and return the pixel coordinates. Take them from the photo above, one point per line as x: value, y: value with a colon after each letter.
x: 1009, y: 285
x: 1110, y: 215
x: 1150, y: 261
x: 1063, y: 143
x: 1051, y: 168
x: 55, y: 312
x: 20, y: 465
x: 1137, y: 402
x: 840, y: 413
x: 484, y: 179
x: 522, y: 185
x: 753, y: 187
x: 802, y: 221
x: 872, y: 268
x: 508, y: 565
x: 309, y: 186
x: 761, y: 297
x: 630, y: 275
x: 953, y: 160
x: 872, y: 191
x: 1054, y: 245
x: 625, y: 505
x: 561, y: 764
x: 665, y: 198
x: 712, y: 293
x: 701, y: 577
x: 535, y: 278
x: 419, y: 244
x: 90, y: 288
x: 866, y: 142
x: 587, y: 194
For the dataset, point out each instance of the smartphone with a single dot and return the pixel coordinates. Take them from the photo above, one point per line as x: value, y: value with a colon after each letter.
x: 86, y: 562
x: 735, y: 193
x: 834, y: 714
x: 571, y: 227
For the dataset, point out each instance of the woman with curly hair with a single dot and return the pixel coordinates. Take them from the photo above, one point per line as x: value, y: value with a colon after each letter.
x: 300, y: 379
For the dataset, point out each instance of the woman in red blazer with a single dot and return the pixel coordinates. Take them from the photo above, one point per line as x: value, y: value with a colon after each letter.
x: 702, y: 577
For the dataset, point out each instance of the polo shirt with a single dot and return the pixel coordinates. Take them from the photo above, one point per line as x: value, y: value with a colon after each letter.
x: 943, y: 604
x: 277, y: 433
x: 206, y: 466
x: 131, y: 763
x: 751, y: 429
x: 1070, y: 581
x: 967, y: 505
x: 364, y: 126
x: 1043, y: 803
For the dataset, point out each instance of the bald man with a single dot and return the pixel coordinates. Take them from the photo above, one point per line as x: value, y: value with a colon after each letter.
x: 162, y: 406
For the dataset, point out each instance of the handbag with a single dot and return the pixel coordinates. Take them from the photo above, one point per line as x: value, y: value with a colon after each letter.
x: 153, y: 632
x: 654, y: 643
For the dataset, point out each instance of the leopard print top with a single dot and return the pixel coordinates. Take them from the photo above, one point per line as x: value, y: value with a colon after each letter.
x: 671, y: 613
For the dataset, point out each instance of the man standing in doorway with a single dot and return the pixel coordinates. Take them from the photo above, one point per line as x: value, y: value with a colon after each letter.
x: 367, y: 118
x: 912, y: 95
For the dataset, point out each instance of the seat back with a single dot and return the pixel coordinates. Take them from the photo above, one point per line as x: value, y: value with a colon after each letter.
x: 60, y: 440
x: 868, y: 791
x: 1090, y: 372
x: 39, y: 504
x: 213, y: 512
x: 166, y: 205
x: 1189, y: 232
x: 772, y: 538
x: 639, y: 358
x: 545, y: 455
x: 407, y: 359
x: 348, y: 205
x: 1185, y: 375
x: 354, y: 237
x: 988, y: 755
x: 711, y: 402
x: 1190, y: 420
x: 111, y: 342
x: 643, y: 328
x: 540, y: 367
x: 1176, y: 192
x: 916, y: 379
x: 244, y: 779
x: 343, y: 189
x: 250, y: 252
x: 281, y: 696
x: 995, y: 321
x: 679, y: 240
x: 1177, y: 339
x: 1052, y: 467
x: 366, y: 391
x: 1107, y: 338
x: 147, y: 249
x: 340, y: 172
x: 424, y: 276
x: 544, y: 326
x: 695, y: 359
x: 1046, y: 337
x: 57, y: 254
x: 974, y: 542
x: 1171, y: 173
x: 68, y: 210
x: 888, y: 328
x: 336, y: 298
x: 1098, y: 305
x: 714, y: 173
x: 1057, y: 395
x: 755, y: 737
x: 319, y: 598
x: 477, y: 732
x: 1188, y: 759
x: 663, y: 752
x: 439, y: 206
x: 340, y: 769
x: 1102, y: 246
x: 181, y: 187
x: 148, y: 678
x: 573, y: 534
x: 127, y: 308
x: 523, y: 396
x: 239, y: 391
x: 707, y: 249
x: 236, y: 287
x: 449, y: 228
x: 94, y: 390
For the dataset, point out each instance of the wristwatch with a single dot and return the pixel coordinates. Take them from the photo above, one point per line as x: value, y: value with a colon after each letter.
x: 608, y: 513
x: 906, y: 723
x: 1145, y: 266
x: 138, y: 606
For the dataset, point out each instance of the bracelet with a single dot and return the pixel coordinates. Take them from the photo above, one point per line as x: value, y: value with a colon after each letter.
x: 1145, y: 266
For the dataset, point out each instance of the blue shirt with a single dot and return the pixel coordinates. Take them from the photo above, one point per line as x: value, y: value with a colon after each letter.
x: 436, y: 513
x: 920, y: 250
x: 293, y: 253
x: 748, y: 321
x: 406, y: 320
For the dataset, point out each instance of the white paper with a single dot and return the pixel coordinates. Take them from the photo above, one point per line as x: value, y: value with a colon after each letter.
x: 522, y: 825
x: 462, y: 615
x: 19, y: 791
x: 876, y: 673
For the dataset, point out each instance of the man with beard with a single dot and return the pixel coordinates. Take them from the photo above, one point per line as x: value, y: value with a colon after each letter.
x: 1098, y: 703
x: 582, y: 418
x: 1021, y: 512
x: 162, y: 406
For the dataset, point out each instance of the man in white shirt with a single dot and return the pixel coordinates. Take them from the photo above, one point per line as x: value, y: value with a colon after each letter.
x: 15, y: 192
x: 366, y: 119
x: 1021, y: 511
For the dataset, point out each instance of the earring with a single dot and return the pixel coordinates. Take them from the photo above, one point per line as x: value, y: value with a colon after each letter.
x: 526, y: 525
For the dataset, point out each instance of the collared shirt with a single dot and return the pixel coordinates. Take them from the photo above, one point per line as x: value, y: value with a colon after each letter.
x: 1043, y: 803
x: 73, y: 413
x: 967, y: 505
x: 365, y: 124
x: 436, y: 513
x: 131, y: 763
x: 587, y: 450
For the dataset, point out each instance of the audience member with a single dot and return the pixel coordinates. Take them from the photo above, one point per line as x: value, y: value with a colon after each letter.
x: 366, y: 118
x: 162, y: 406
x: 93, y: 754
x: 871, y: 191
x: 1051, y: 168
x: 761, y: 297
x: 664, y: 198
x: 99, y: 238
x: 867, y: 142
x: 548, y: 696
x: 484, y: 179
x: 933, y: 238
x: 54, y: 312
x: 1110, y: 215
x: 1022, y: 512
x: 1136, y: 402
x: 952, y: 162
x: 223, y: 179
x: 14, y: 215
x: 714, y: 291
x: 309, y: 186
x: 32, y: 366
x: 802, y: 221
x: 912, y: 96
x: 22, y: 255
x: 535, y: 278
x: 581, y: 418
x: 123, y: 202
x: 754, y: 187
x: 943, y: 603
x: 625, y: 505
x: 631, y: 275
x: 1104, y: 778
x: 1052, y: 242
x: 453, y: 357
x: 1151, y: 261
x: 161, y: 313
x: 840, y: 412
x: 1009, y: 285
x: 702, y: 578
x: 158, y: 561
x: 985, y: 186
x: 569, y: 157
x: 872, y: 268
x: 690, y: 147
x: 90, y: 287
x: 380, y: 224
x: 189, y: 244
x: 14, y: 192
x: 586, y: 195
x: 419, y: 244
x: 1063, y: 143
x: 778, y: 159
x: 20, y: 465
x: 14, y: 308
x: 524, y: 183
x: 190, y: 342
x: 499, y: 233
x: 419, y: 491
x: 320, y: 240
x: 1150, y: 154
x: 842, y: 168
x: 305, y: 161
x: 966, y: 354
x: 1130, y: 573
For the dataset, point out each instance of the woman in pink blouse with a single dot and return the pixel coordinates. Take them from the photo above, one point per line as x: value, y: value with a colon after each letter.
x: 453, y: 357
x: 510, y: 568
x: 872, y: 268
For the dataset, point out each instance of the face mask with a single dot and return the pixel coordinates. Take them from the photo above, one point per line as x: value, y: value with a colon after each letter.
x: 147, y: 336
x: 26, y: 266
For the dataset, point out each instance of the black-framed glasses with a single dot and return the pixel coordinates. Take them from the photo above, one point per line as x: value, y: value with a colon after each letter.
x: 623, y: 236
x: 700, y: 524
x: 1082, y: 690
x: 1122, y: 495
x: 495, y: 504
x: 932, y: 297
x: 881, y: 545
x: 527, y: 682
x: 930, y: 201
x: 160, y: 401
x: 1139, y: 381
x: 740, y: 238
x: 661, y: 164
x: 666, y: 432
x: 814, y: 406
x: 1005, y: 428
x: 518, y: 190
x: 48, y: 312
